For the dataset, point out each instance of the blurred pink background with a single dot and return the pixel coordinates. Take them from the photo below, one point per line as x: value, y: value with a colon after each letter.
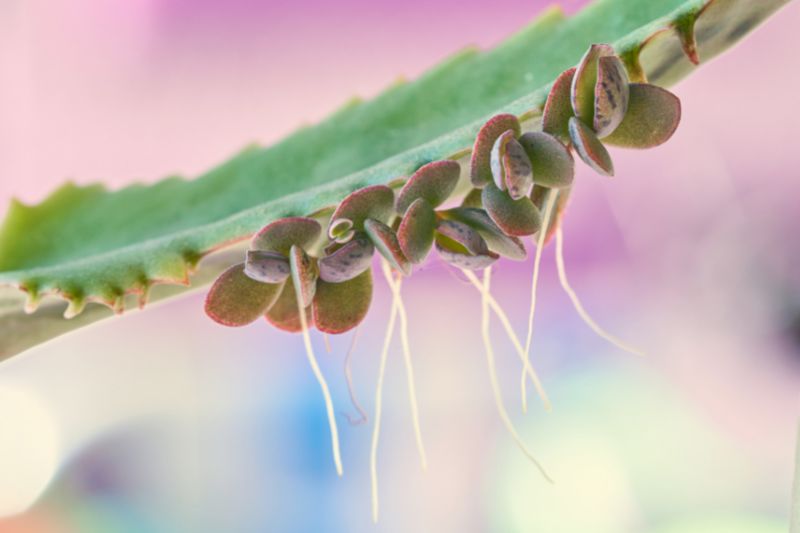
x: 163, y: 421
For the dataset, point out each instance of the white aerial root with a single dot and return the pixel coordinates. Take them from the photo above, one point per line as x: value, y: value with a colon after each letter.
x: 551, y: 200
x: 348, y: 374
x: 485, y: 298
x: 562, y: 277
x: 412, y: 392
x: 373, y: 460
x: 326, y: 393
x: 506, y: 323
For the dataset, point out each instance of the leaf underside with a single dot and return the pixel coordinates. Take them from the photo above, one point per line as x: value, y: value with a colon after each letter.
x: 89, y: 244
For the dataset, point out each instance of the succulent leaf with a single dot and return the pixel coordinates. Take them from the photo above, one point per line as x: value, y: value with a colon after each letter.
x: 348, y: 261
x: 558, y: 107
x: 415, y: 233
x: 385, y: 241
x: 266, y: 267
x: 653, y: 116
x: 551, y: 161
x: 237, y: 300
x: 339, y: 307
x: 582, y: 92
x: 511, y: 168
x: 375, y: 202
x: 279, y: 236
x: 304, y: 274
x: 284, y: 313
x: 513, y: 217
x: 610, y: 95
x: 464, y: 249
x: 505, y: 245
x: 480, y: 163
x: 589, y: 147
x: 434, y: 182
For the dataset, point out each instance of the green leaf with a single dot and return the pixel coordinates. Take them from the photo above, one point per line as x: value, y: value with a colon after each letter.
x: 89, y: 244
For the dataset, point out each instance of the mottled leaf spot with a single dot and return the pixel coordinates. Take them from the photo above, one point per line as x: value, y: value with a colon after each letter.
x: 348, y: 261
x: 266, y: 267
x: 511, y: 168
x: 610, y: 95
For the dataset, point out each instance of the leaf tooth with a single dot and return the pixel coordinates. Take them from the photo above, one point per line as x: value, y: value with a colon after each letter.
x: 684, y: 27
x: 630, y: 58
x: 32, y: 297
x: 142, y: 288
x: 75, y: 307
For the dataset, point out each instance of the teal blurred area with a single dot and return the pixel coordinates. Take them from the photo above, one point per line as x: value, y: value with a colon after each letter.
x: 165, y: 422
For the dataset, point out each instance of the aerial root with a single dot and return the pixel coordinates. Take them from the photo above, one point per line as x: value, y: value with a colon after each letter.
x: 551, y: 200
x: 412, y: 390
x: 562, y: 277
x: 485, y: 298
x: 378, y: 406
x: 348, y: 374
x: 337, y: 458
x: 506, y: 323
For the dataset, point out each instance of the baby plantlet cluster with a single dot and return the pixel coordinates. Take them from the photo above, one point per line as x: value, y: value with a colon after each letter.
x: 320, y: 265
x: 315, y: 271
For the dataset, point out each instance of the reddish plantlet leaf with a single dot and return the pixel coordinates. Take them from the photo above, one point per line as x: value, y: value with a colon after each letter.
x: 385, y: 241
x: 279, y: 236
x: 539, y: 196
x: 348, y: 261
x: 589, y: 147
x: 375, y: 202
x: 463, y: 234
x: 513, y: 217
x: 477, y: 219
x: 237, y: 300
x: 610, y: 95
x: 339, y: 307
x: 558, y: 108
x: 480, y: 166
x: 415, y: 233
x: 583, y: 83
x: 551, y: 161
x: 304, y: 274
x: 284, y: 314
x: 457, y: 254
x: 511, y: 168
x: 266, y: 267
x: 434, y: 182
x: 653, y: 116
